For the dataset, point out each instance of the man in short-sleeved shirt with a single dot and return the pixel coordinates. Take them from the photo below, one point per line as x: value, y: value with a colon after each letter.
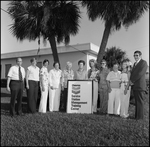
x: 32, y: 85
x: 15, y: 84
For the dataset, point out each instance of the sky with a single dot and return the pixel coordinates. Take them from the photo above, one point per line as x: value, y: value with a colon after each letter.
x: 136, y: 37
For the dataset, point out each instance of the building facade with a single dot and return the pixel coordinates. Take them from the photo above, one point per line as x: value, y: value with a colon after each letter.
x: 72, y: 53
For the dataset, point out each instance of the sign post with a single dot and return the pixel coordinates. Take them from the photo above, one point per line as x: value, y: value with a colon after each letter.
x: 80, y: 95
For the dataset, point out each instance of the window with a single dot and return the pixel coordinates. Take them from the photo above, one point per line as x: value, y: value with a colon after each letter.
x: 39, y: 64
x: 7, y: 67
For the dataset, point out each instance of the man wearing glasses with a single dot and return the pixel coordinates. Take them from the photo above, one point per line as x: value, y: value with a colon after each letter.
x: 138, y: 82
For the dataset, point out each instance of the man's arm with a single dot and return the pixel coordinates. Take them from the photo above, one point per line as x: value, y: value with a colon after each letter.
x: 9, y: 78
x: 108, y: 85
x: 27, y: 83
x: 140, y: 72
x: 8, y: 82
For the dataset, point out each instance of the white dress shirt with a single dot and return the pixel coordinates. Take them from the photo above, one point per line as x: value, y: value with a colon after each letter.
x: 55, y: 78
x: 137, y: 62
x: 14, y: 72
x: 33, y: 73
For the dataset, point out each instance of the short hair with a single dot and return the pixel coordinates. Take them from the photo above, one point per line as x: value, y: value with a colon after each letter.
x: 33, y: 59
x: 56, y: 63
x: 94, y: 61
x: 17, y: 59
x: 69, y: 63
x: 124, y: 61
x: 103, y: 60
x: 139, y: 52
x: 115, y: 63
x: 81, y: 61
x: 46, y: 60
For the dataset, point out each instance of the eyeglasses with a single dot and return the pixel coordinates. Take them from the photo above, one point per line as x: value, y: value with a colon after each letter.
x: 135, y: 55
x: 103, y: 63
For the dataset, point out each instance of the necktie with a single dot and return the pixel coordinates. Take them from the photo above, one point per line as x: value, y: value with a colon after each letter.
x: 20, y: 74
x: 135, y: 64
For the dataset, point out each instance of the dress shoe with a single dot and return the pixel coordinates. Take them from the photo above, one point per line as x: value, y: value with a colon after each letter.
x: 21, y: 114
x: 13, y: 116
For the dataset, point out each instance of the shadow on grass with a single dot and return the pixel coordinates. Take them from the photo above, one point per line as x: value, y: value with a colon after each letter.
x: 5, y: 104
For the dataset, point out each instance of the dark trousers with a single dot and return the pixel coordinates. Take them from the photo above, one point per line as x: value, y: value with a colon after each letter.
x: 16, y: 88
x: 32, y: 95
x: 65, y: 98
x: 139, y: 104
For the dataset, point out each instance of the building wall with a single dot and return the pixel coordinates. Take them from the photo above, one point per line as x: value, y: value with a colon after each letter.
x: 73, y: 57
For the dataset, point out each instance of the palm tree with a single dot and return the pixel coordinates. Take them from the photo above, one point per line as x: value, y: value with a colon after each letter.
x: 114, y: 14
x: 114, y: 54
x: 55, y: 21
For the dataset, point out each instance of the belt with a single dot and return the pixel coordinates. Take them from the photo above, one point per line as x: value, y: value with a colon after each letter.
x: 33, y: 81
x: 16, y: 81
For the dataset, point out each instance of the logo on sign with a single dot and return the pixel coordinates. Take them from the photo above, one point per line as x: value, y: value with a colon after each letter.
x: 75, y: 89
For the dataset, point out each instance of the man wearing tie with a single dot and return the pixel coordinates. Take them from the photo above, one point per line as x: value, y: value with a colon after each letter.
x: 138, y: 82
x: 15, y: 83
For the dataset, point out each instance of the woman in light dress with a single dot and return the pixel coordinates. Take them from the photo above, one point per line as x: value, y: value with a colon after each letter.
x: 93, y: 75
x: 55, y: 81
x: 44, y: 86
x: 125, y: 90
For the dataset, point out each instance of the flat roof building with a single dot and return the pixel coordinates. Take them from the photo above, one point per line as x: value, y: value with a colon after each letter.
x: 72, y: 53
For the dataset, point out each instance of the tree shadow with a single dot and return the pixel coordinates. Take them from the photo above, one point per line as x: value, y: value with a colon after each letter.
x: 5, y: 104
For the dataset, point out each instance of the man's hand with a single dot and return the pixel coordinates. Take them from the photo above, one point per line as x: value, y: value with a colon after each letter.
x: 95, y: 80
x: 8, y: 88
x: 109, y: 90
x: 130, y: 83
x: 27, y: 86
x: 62, y: 88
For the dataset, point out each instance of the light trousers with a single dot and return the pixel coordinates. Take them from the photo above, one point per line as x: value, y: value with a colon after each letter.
x: 125, y: 103
x: 43, y: 101
x: 95, y: 95
x: 114, y: 101
x: 54, y: 99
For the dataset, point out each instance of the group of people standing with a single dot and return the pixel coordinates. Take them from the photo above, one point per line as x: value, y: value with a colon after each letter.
x: 112, y: 85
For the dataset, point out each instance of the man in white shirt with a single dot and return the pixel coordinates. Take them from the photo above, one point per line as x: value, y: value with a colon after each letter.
x: 32, y: 85
x: 15, y: 84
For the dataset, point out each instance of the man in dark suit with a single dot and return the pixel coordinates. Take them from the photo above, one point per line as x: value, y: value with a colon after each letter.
x: 138, y: 82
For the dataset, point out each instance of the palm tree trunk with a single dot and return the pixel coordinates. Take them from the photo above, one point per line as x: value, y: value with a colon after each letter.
x: 52, y: 42
x: 104, y: 43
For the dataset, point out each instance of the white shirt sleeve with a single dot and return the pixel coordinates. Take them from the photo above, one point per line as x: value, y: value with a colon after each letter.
x: 10, y: 73
x: 23, y: 72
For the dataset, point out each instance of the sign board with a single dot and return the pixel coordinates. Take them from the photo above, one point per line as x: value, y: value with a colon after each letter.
x: 80, y: 94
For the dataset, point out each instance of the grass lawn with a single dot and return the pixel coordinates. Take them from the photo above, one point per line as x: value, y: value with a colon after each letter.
x: 62, y: 129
